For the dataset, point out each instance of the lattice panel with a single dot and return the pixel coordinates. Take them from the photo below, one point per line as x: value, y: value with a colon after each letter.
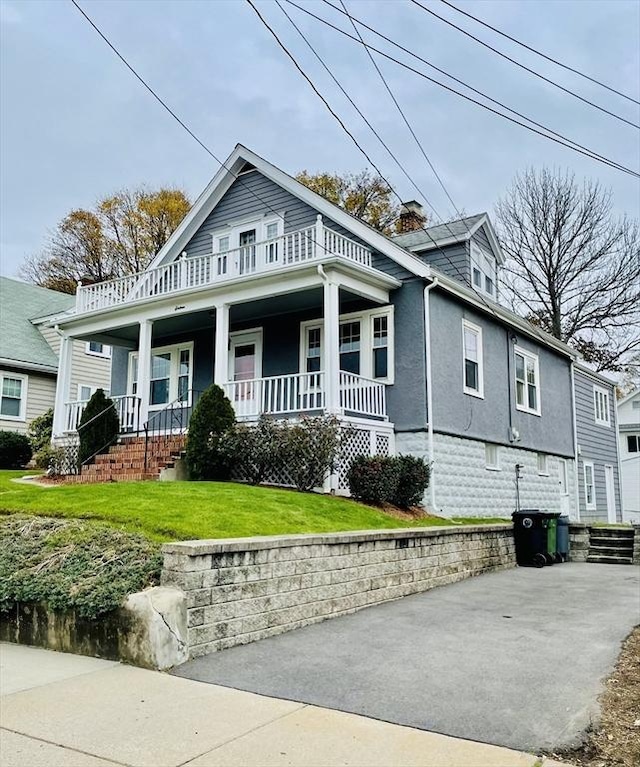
x: 383, y: 444
x: 358, y: 442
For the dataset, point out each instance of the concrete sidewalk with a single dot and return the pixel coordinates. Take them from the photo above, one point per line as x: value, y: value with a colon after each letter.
x: 60, y: 710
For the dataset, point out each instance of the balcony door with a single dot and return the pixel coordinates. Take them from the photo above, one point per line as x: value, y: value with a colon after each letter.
x: 245, y: 367
x: 247, y: 251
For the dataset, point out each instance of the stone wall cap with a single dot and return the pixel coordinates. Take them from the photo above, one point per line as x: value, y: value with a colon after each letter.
x: 219, y: 545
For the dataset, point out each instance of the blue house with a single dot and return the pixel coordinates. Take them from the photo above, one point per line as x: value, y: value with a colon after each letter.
x: 295, y: 307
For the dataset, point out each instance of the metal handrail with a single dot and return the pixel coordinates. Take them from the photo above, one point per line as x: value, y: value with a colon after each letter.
x: 172, y: 416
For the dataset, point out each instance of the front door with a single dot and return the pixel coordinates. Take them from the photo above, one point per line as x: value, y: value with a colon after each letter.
x: 611, y: 496
x: 245, y: 370
x: 564, y: 487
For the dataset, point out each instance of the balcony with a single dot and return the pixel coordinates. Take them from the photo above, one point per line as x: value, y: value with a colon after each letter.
x: 294, y: 248
x: 284, y: 395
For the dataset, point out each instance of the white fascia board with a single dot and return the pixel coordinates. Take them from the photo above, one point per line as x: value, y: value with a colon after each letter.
x: 509, y: 318
x: 32, y: 366
x: 484, y: 221
x: 223, y: 180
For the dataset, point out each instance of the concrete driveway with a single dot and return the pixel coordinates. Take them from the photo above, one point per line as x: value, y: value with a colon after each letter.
x: 515, y: 658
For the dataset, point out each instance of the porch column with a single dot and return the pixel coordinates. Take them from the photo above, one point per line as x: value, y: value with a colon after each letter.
x: 331, y: 347
x: 144, y: 368
x: 221, y: 365
x: 63, y: 383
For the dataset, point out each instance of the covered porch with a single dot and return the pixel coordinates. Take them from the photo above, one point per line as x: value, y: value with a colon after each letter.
x: 318, y: 341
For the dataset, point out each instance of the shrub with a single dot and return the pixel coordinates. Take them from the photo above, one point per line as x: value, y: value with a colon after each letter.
x: 50, y: 458
x: 78, y: 564
x: 209, y: 429
x: 40, y: 431
x: 256, y: 452
x: 309, y: 450
x: 98, y: 428
x: 15, y: 450
x: 413, y: 481
x: 374, y: 479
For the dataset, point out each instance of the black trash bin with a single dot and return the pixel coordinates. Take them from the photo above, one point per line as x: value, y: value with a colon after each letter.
x: 530, y: 533
x: 562, y: 538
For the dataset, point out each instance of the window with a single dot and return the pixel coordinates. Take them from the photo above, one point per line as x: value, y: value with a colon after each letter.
x: 171, y: 374
x: 527, y: 382
x: 365, y: 344
x: 589, y: 486
x: 380, y: 346
x: 492, y: 456
x: 473, y: 375
x: 477, y: 277
x: 488, y: 285
x: 483, y: 271
x: 253, y: 241
x: 543, y: 468
x: 635, y: 404
x: 633, y: 443
x: 13, y: 396
x: 86, y: 391
x: 98, y: 349
x: 601, y: 405
x: 350, y: 347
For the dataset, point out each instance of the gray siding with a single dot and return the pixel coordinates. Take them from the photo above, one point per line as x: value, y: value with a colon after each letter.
x: 487, y: 419
x: 452, y: 260
x: 254, y: 194
x: 482, y: 240
x: 598, y: 444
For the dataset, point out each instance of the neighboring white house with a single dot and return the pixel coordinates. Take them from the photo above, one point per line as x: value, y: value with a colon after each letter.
x: 629, y: 438
x: 29, y: 351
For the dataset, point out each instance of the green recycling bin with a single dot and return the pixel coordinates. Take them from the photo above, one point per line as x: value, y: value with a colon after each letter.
x: 552, y: 538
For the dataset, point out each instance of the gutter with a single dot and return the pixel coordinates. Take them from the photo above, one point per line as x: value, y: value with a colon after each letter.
x: 33, y: 366
x: 427, y: 355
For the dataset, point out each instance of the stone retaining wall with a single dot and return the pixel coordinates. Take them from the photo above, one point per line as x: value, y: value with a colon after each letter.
x: 578, y: 542
x: 242, y: 590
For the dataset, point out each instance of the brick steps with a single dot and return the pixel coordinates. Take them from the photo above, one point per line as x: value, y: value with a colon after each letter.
x: 125, y: 461
x: 611, y: 545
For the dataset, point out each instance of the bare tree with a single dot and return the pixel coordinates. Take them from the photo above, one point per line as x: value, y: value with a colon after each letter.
x: 572, y: 267
x: 119, y: 237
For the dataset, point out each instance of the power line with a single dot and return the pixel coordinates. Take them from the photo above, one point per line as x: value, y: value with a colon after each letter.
x: 539, y: 53
x: 572, y: 145
x: 164, y: 104
x: 312, y: 85
x: 589, y: 152
x: 523, y: 66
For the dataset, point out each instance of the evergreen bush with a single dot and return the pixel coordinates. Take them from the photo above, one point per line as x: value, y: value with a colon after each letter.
x: 413, y: 481
x: 98, y: 428
x: 374, y: 479
x: 207, y: 455
x: 15, y: 450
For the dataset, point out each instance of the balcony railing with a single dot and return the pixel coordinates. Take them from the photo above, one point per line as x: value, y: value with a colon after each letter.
x: 304, y: 392
x: 303, y: 245
x: 127, y: 408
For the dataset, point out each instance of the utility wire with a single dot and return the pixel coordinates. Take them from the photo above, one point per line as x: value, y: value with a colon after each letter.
x: 291, y: 57
x: 201, y: 143
x: 589, y: 152
x: 540, y: 53
x: 523, y: 66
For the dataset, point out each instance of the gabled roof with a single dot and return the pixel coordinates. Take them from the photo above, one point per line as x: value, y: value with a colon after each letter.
x: 629, y: 396
x: 228, y: 173
x: 450, y: 233
x: 21, y: 343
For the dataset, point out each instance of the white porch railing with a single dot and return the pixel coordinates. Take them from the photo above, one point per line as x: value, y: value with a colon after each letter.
x: 314, y: 242
x: 303, y: 392
x: 361, y: 395
x: 127, y: 408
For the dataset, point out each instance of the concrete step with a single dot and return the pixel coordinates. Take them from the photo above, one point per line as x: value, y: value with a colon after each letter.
x: 613, y: 540
x: 609, y: 559
x: 611, y: 532
x: 611, y: 551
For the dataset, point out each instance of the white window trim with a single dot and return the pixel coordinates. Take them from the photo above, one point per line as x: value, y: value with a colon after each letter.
x: 626, y: 442
x: 496, y: 466
x: 591, y: 506
x: 525, y: 408
x: 466, y: 325
x: 173, y: 373
x: 601, y: 421
x: 93, y: 390
x: 234, y: 229
x: 22, y: 415
x: 545, y: 471
x: 366, y: 341
x: 104, y: 354
x: 480, y: 259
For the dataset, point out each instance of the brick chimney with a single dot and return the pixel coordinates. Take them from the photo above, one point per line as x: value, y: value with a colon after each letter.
x: 411, y: 217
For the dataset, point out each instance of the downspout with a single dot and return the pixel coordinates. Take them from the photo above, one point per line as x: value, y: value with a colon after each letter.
x: 575, y: 441
x: 427, y: 358
x: 617, y: 428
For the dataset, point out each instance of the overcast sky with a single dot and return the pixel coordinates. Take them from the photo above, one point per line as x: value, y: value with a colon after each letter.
x: 76, y: 125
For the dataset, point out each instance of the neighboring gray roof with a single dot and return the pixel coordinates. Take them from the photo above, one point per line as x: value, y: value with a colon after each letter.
x: 440, y: 233
x: 20, y: 339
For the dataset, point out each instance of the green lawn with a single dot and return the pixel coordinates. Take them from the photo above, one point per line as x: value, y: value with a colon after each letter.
x: 189, y: 510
